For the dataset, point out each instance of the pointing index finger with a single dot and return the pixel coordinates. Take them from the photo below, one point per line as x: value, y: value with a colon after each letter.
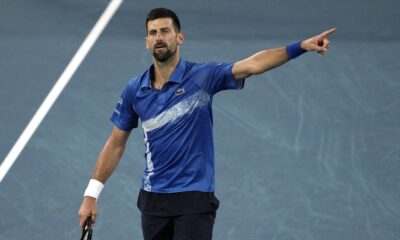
x: 328, y: 32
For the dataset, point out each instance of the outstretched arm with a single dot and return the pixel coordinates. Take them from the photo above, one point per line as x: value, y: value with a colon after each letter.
x: 271, y: 58
x: 105, y: 165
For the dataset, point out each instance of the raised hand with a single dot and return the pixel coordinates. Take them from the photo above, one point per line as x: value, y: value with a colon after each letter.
x: 319, y: 43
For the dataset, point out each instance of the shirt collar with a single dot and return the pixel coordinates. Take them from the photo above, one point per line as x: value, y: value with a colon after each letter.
x: 176, y: 76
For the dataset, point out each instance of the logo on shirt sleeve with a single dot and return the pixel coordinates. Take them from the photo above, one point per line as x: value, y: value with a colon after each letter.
x: 116, y: 110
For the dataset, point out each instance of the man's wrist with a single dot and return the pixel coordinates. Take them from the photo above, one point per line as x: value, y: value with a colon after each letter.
x: 294, y: 50
x: 93, y: 189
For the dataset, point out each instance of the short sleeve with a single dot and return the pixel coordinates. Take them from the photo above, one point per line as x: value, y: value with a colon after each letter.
x: 124, y: 116
x: 220, y: 78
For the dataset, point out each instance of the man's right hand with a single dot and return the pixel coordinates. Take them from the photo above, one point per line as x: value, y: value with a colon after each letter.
x: 88, y: 209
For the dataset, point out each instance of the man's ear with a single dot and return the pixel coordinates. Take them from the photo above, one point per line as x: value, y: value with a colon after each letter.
x: 145, y: 43
x: 181, y: 38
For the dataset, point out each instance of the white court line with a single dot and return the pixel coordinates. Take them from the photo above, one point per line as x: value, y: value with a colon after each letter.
x: 58, y: 87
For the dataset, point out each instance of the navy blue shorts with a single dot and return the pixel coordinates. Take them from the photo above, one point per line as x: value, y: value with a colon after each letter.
x: 177, y: 216
x: 183, y: 227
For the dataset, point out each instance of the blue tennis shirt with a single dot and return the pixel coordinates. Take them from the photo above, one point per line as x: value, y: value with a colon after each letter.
x: 177, y: 122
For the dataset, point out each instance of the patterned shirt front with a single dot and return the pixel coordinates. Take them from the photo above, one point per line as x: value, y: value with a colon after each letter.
x: 177, y: 123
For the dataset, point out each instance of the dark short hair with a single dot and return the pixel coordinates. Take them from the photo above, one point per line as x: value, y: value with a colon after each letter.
x: 164, y: 13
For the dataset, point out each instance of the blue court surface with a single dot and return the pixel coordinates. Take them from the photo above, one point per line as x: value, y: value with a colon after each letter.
x: 306, y: 151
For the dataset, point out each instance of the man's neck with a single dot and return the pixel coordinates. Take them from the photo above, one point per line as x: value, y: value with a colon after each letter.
x: 163, y: 70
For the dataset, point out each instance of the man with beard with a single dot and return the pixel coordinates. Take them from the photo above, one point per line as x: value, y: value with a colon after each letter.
x: 173, y: 101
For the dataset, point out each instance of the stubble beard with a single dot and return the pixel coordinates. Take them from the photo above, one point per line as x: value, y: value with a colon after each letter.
x: 163, y: 56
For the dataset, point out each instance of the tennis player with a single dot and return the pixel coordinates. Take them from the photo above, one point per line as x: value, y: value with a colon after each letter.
x: 173, y: 101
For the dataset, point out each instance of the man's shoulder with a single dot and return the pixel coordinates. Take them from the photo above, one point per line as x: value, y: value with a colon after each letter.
x: 199, y: 66
x: 136, y: 81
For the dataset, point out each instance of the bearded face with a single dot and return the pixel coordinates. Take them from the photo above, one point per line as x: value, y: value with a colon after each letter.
x: 162, y: 52
x: 162, y: 39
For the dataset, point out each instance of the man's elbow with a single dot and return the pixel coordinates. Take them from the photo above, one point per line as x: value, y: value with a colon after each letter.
x: 246, y: 69
x: 254, y: 69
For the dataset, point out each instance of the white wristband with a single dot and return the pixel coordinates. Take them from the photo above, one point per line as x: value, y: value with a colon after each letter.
x: 94, y: 188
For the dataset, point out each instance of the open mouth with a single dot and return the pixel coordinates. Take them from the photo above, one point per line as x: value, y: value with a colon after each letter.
x: 159, y: 46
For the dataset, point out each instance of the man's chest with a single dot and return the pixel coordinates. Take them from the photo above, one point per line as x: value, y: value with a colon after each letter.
x: 172, y: 99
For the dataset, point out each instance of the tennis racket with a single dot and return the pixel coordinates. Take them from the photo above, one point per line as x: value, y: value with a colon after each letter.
x: 87, y: 230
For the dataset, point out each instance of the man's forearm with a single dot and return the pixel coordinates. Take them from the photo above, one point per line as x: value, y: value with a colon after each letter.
x: 268, y: 59
x: 260, y: 62
x: 105, y: 165
x: 107, y: 161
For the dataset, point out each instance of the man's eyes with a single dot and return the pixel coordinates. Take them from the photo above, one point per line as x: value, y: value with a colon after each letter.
x: 153, y: 33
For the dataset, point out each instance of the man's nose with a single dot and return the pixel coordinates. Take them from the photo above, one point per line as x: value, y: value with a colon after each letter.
x: 159, y: 36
